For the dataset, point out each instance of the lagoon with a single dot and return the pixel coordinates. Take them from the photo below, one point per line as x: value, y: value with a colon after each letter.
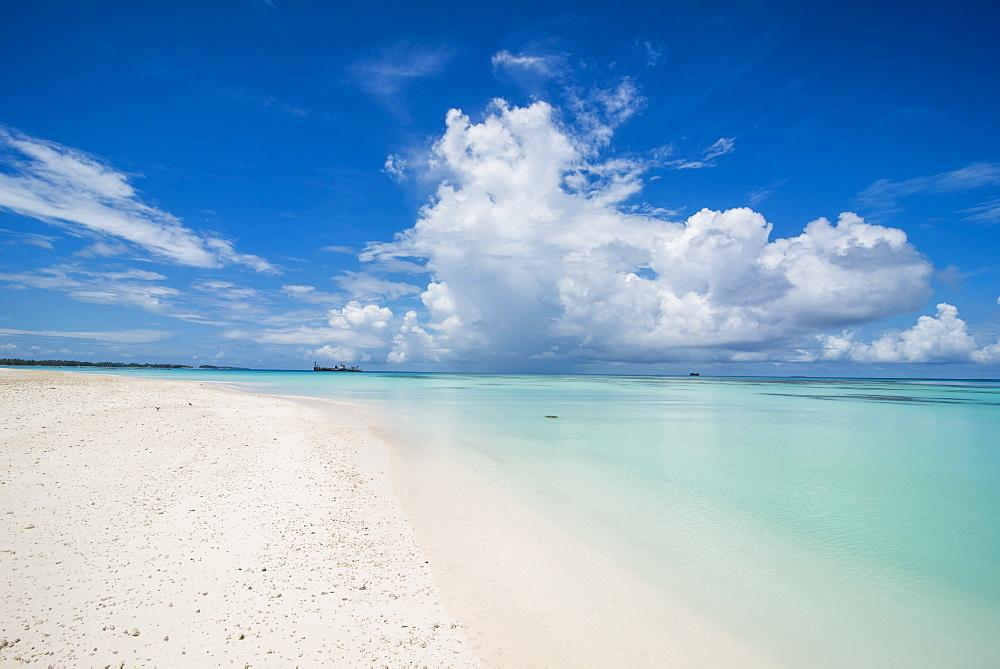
x: 833, y: 522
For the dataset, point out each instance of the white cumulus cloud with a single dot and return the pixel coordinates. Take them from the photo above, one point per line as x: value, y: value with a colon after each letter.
x: 533, y: 251
x: 341, y: 354
x: 357, y: 317
x: 352, y: 333
x: 943, y: 337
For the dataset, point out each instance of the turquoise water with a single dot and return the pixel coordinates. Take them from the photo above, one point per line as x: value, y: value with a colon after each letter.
x: 836, y: 522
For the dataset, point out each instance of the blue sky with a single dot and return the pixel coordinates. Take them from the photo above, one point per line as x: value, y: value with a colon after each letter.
x: 743, y: 187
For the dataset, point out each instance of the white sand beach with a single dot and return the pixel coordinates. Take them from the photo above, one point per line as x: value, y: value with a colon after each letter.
x: 159, y: 523
x: 162, y: 523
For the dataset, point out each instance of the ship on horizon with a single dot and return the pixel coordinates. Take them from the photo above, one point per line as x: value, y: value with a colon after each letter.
x: 339, y: 368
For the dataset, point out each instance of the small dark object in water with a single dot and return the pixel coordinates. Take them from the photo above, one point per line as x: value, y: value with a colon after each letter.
x: 339, y: 368
x: 552, y: 416
x: 694, y: 374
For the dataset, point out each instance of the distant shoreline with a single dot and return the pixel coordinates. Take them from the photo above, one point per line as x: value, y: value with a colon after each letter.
x: 21, y: 362
x: 18, y: 362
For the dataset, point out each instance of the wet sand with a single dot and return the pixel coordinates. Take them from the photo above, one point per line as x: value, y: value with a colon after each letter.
x: 531, y: 594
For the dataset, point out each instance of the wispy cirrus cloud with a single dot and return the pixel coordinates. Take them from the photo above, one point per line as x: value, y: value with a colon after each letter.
x: 309, y: 294
x: 211, y: 302
x: 884, y: 195
x: 707, y: 158
x: 102, y: 250
x: 223, y: 90
x: 597, y: 101
x: 63, y: 186
x: 249, y: 96
x: 527, y: 63
x: 387, y: 76
x: 114, y: 337
x: 339, y: 249
x: 231, y: 301
x: 987, y: 213
x: 130, y: 288
x: 759, y: 195
x: 30, y: 238
x: 652, y: 51
x: 363, y: 286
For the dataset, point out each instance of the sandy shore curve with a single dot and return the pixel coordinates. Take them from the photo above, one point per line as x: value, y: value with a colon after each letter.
x: 179, y: 523
x: 161, y: 523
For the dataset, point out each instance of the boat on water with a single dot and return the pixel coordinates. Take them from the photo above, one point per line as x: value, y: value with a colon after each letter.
x: 339, y: 368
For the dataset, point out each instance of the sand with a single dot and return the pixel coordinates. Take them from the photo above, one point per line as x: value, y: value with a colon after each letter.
x: 158, y: 523
x: 163, y: 523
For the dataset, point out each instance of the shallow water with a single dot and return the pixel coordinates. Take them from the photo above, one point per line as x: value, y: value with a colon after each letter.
x: 836, y: 522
